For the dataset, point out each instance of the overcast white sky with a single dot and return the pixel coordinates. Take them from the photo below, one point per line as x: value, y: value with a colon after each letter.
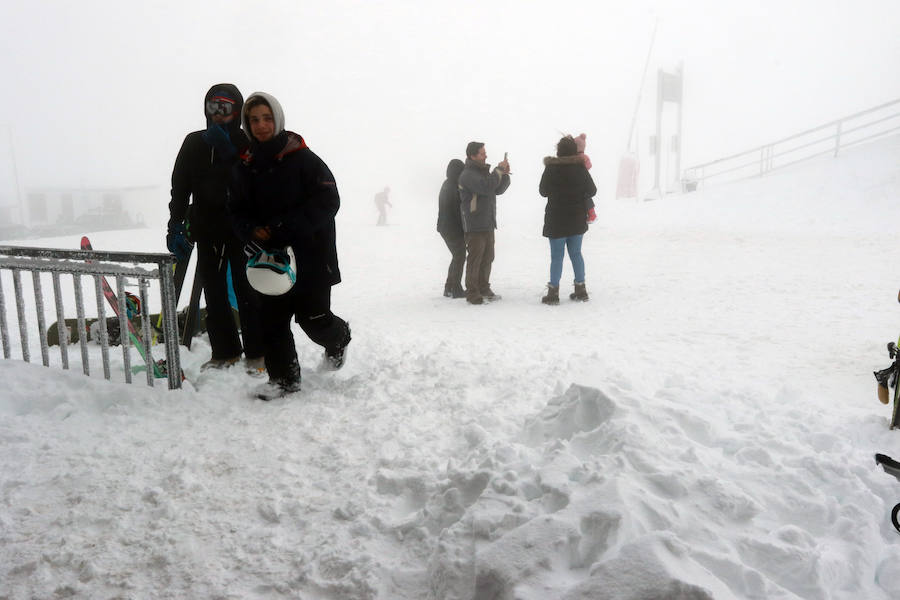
x: 102, y: 93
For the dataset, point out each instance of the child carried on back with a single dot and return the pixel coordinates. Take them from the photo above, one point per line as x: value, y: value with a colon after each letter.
x: 580, y: 143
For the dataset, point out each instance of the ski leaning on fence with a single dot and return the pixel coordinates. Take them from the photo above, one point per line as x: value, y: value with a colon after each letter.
x: 193, y: 310
x: 159, y: 370
x: 179, y: 272
x: 194, y: 317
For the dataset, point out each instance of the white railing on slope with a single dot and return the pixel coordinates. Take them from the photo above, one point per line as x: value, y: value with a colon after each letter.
x: 829, y: 138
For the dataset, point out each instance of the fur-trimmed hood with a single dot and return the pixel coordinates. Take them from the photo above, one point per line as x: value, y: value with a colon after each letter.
x: 563, y: 160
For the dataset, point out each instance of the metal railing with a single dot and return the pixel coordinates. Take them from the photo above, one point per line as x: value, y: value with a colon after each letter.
x: 97, y: 265
x: 825, y: 139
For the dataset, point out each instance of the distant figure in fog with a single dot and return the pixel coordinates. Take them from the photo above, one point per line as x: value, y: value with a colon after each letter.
x: 449, y: 225
x: 381, y: 203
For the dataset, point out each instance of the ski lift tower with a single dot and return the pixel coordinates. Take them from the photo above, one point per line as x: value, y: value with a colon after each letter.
x: 669, y: 88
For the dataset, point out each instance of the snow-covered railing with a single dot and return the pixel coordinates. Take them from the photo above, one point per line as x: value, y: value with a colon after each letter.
x: 98, y: 265
x: 829, y: 138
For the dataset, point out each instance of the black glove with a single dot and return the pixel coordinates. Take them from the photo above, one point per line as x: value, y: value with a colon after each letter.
x: 178, y: 241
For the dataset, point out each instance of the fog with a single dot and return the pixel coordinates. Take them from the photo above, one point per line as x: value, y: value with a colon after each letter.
x: 102, y: 93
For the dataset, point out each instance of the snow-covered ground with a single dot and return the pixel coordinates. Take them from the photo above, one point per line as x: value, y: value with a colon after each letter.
x: 704, y: 427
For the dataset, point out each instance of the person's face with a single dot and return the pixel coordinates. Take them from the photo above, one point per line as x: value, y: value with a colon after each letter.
x: 481, y: 156
x: 262, y: 123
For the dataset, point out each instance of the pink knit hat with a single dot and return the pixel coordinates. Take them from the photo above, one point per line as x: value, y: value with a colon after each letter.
x: 580, y: 142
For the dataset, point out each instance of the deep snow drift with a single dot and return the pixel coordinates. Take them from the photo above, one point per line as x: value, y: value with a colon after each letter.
x: 704, y: 427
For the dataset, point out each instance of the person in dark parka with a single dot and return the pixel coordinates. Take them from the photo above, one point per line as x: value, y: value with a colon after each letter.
x: 201, y: 175
x: 449, y: 225
x: 285, y: 195
x: 566, y: 184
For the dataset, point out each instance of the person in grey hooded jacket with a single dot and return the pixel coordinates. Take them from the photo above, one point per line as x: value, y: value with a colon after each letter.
x: 478, y: 191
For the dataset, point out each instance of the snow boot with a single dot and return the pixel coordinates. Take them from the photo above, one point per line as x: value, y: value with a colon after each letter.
x: 474, y: 297
x: 276, y: 388
x: 454, y: 291
x: 489, y: 295
x: 580, y: 293
x: 219, y: 363
x: 334, y: 357
x: 552, y: 296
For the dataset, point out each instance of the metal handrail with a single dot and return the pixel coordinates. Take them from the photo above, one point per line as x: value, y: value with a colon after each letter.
x: 764, y: 159
x: 96, y: 264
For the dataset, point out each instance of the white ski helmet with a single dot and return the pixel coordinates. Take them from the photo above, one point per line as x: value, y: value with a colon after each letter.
x: 272, y: 273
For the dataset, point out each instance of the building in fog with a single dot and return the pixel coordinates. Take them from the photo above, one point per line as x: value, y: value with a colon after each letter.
x: 60, y: 210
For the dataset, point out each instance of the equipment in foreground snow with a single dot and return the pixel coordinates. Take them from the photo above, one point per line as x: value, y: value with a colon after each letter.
x: 888, y: 378
x: 891, y: 467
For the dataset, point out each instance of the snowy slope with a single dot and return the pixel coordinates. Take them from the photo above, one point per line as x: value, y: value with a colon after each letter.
x: 704, y: 427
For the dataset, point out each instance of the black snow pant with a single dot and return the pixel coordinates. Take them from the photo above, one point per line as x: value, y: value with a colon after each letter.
x: 457, y: 246
x: 310, y: 307
x: 212, y: 265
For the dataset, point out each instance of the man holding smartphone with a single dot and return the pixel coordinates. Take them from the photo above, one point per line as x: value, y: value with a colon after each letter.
x: 478, y: 191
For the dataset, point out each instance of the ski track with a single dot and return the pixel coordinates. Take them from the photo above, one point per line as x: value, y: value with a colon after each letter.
x: 702, y: 428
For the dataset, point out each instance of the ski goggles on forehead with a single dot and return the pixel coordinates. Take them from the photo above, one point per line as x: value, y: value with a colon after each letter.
x: 217, y: 105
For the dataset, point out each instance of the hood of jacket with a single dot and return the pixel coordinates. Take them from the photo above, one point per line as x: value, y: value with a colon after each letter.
x: 563, y: 160
x: 277, y: 113
x: 454, y: 168
x: 230, y: 91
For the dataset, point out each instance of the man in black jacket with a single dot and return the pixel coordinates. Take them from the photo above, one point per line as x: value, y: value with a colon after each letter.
x: 285, y: 196
x: 202, y: 174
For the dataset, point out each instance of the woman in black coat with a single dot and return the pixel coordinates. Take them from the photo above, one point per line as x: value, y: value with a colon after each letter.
x: 566, y: 184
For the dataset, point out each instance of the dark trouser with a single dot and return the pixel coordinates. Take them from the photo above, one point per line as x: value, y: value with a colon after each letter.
x: 310, y: 306
x: 480, y: 247
x: 212, y: 265
x: 457, y: 246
